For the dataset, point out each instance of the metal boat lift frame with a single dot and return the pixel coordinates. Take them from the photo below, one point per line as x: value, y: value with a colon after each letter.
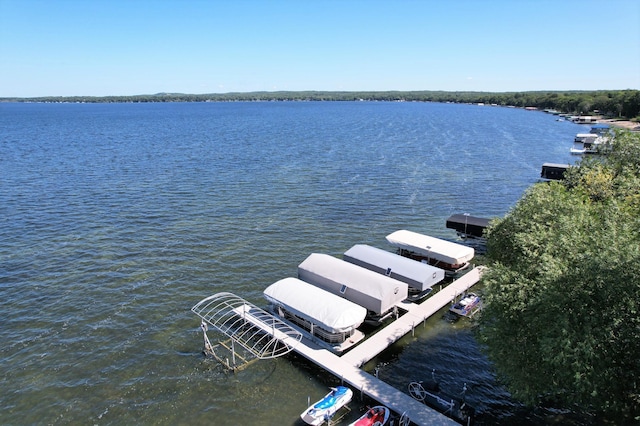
x: 259, y: 334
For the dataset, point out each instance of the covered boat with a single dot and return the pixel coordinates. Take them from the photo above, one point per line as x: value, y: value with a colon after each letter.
x: 324, y: 409
x: 441, y: 253
x: 468, y: 226
x: 377, y: 293
x: 327, y: 318
x: 419, y: 276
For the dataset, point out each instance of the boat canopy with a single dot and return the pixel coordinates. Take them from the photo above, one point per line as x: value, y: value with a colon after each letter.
x: 324, y: 309
x: 583, y: 137
x: 371, y: 290
x: 260, y: 333
x: 470, y: 225
x: 431, y: 247
x: 553, y: 171
x: 417, y: 275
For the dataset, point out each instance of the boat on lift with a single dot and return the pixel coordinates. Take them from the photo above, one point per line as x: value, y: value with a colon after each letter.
x: 467, y: 306
x: 430, y: 394
x: 447, y: 255
x: 420, y: 277
x: 375, y: 416
x: 325, y: 408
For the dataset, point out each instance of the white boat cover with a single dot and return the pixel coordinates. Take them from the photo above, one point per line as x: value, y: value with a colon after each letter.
x: 317, y: 306
x: 375, y: 292
x: 431, y: 247
x: 417, y: 275
x: 584, y: 136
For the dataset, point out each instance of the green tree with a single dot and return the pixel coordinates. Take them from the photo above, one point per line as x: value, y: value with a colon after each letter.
x: 562, y: 316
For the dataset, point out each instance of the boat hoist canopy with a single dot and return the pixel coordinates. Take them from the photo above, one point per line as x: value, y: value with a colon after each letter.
x: 261, y: 334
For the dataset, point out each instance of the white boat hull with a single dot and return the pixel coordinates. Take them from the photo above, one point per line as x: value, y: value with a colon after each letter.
x: 325, y: 408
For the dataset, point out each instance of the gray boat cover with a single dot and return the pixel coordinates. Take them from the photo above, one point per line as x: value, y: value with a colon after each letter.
x: 317, y: 306
x: 366, y: 288
x: 417, y: 275
x: 435, y: 248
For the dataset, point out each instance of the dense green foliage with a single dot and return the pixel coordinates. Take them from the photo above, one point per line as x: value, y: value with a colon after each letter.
x: 612, y: 103
x: 562, y: 316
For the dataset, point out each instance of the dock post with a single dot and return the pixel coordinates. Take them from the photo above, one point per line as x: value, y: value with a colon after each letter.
x: 233, y: 353
x: 413, y: 329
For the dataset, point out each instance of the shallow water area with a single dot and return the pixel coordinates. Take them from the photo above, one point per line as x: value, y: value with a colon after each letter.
x: 118, y: 218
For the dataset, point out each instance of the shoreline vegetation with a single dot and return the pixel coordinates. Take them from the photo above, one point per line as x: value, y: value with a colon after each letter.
x: 558, y: 260
x: 616, y: 106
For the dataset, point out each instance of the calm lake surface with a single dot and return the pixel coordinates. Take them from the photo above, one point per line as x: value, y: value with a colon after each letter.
x: 118, y: 218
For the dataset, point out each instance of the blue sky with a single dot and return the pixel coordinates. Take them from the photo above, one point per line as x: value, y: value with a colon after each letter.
x: 113, y: 47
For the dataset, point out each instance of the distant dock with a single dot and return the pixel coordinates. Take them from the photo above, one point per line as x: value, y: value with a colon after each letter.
x: 347, y: 366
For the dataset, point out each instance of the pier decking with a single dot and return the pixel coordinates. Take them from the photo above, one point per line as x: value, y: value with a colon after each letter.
x: 347, y: 367
x: 416, y: 314
x: 369, y: 385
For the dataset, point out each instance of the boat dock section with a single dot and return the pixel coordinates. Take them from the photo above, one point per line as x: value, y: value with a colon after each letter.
x: 416, y: 313
x: 369, y: 385
x: 347, y: 367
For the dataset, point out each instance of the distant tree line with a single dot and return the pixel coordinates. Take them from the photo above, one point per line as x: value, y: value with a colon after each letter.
x: 610, y: 103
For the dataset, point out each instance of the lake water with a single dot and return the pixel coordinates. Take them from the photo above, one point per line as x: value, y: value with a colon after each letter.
x: 118, y: 218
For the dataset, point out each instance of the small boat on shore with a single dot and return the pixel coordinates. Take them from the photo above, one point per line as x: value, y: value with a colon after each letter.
x: 375, y: 416
x: 325, y: 408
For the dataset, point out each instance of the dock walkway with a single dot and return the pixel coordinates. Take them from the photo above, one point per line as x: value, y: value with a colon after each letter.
x: 369, y: 385
x: 347, y: 367
x: 416, y: 313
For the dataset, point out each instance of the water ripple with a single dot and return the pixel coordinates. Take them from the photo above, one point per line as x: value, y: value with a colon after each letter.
x: 116, y: 219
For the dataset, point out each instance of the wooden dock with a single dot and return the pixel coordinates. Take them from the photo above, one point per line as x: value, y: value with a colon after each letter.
x: 416, y: 313
x: 347, y: 366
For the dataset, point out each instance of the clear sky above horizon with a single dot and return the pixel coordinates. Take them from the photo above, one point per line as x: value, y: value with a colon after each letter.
x: 114, y: 47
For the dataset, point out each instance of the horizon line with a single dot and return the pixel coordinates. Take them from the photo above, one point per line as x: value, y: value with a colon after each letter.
x: 168, y: 94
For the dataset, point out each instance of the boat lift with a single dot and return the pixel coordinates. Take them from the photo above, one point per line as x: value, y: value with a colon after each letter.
x: 252, y: 332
